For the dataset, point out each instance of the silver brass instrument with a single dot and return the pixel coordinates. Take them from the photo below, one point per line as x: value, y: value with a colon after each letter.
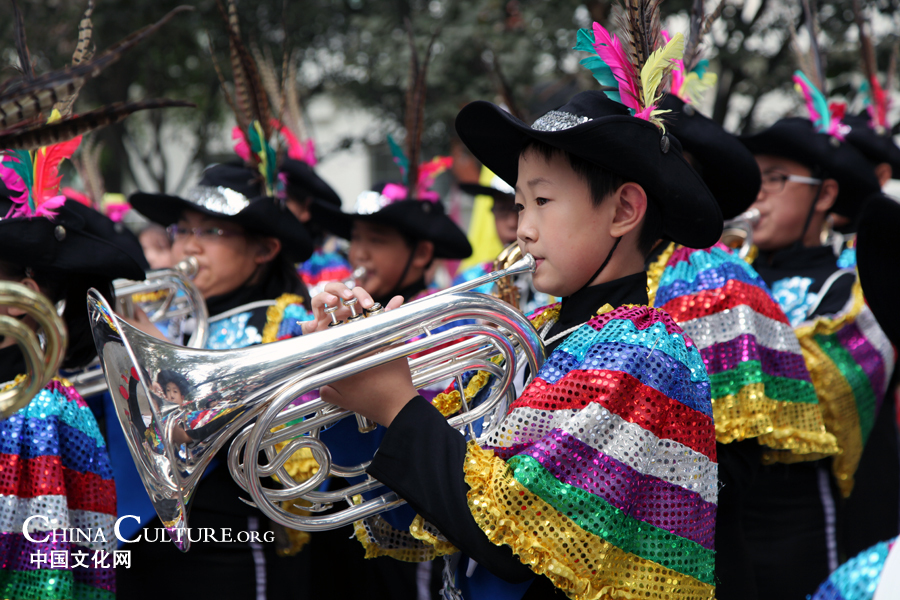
x: 172, y: 444
x: 173, y: 297
x: 738, y: 232
x: 41, y: 363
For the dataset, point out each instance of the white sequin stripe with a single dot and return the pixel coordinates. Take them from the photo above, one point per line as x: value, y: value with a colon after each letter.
x: 631, y: 444
x: 539, y: 423
x: 873, y: 332
x: 57, y: 515
x: 729, y: 324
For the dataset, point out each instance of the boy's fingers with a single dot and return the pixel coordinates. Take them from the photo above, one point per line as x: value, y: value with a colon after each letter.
x: 365, y: 300
x: 395, y: 302
x: 337, y: 288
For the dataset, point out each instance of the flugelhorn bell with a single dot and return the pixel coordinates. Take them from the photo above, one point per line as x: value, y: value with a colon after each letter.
x: 41, y: 363
x: 173, y: 443
x: 737, y: 233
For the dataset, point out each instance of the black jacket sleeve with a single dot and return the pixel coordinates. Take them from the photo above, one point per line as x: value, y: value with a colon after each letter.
x: 422, y: 459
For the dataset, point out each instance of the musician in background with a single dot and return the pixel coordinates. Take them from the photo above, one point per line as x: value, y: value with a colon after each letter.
x: 54, y: 454
x: 560, y: 496
x: 790, y: 513
x: 246, y: 244
x: 506, y: 217
x: 305, y: 193
x: 726, y: 309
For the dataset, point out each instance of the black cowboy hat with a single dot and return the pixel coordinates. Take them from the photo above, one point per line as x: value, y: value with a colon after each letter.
x: 877, y: 148
x: 417, y: 219
x: 302, y: 181
x: 727, y: 167
x: 597, y: 129
x: 78, y: 240
x: 498, y: 189
x: 797, y: 139
x: 231, y: 193
x: 877, y: 257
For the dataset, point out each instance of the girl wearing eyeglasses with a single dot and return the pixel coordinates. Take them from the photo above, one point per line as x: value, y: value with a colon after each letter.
x: 246, y: 245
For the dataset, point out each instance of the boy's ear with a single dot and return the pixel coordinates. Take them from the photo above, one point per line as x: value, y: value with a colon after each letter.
x: 631, y: 206
x: 267, y: 250
x: 423, y: 254
x: 827, y: 195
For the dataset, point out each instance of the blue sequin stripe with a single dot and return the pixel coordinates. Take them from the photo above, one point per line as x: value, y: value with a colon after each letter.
x: 654, y: 337
x: 708, y: 272
x: 50, y: 403
x: 653, y: 368
x: 49, y: 437
x: 858, y: 578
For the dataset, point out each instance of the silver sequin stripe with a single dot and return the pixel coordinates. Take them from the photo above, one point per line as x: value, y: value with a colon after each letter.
x: 729, y: 324
x: 557, y: 120
x: 631, y: 444
x: 14, y: 511
x: 219, y: 199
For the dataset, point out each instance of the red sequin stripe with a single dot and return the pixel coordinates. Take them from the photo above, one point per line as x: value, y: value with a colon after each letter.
x: 627, y: 397
x: 732, y: 294
x: 46, y: 476
x: 683, y: 254
x: 642, y: 317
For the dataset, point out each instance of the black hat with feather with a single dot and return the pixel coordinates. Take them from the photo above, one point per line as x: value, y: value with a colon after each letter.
x: 240, y: 193
x: 619, y: 129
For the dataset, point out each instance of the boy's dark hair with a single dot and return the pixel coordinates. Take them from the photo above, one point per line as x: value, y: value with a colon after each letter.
x: 166, y: 376
x: 603, y: 182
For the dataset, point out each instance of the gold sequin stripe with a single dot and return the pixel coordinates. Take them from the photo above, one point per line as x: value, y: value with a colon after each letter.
x: 655, y: 271
x: 449, y: 402
x: 583, y: 565
x: 274, y: 315
x: 149, y: 296
x: 421, y: 530
x: 380, y: 538
x: 794, y: 427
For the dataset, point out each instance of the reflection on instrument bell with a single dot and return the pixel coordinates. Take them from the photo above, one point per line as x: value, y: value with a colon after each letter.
x: 166, y: 295
x: 251, y: 395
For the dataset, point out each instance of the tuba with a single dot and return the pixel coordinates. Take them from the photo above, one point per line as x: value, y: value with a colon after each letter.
x: 166, y: 295
x: 255, y: 396
x: 737, y: 233
x: 43, y: 352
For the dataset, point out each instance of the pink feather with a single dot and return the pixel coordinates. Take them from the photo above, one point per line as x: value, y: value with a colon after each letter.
x: 241, y: 147
x: 13, y: 181
x: 45, y: 191
x: 610, y: 51
x: 429, y: 172
x: 808, y: 96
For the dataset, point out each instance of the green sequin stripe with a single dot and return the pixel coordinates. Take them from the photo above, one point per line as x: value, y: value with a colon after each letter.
x: 783, y: 389
x: 598, y: 517
x: 48, y: 584
x: 856, y: 377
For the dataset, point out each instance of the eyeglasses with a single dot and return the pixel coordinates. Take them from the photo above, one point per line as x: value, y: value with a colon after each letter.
x: 773, y: 183
x: 178, y: 233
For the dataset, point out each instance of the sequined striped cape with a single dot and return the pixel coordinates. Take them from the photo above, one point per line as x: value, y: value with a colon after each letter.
x: 603, y: 474
x: 858, y: 578
x: 760, y: 385
x: 850, y: 361
x: 55, y: 465
x: 323, y: 267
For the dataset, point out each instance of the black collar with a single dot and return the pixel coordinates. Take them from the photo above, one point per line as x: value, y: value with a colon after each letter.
x: 796, y: 257
x: 581, y: 306
x: 408, y: 293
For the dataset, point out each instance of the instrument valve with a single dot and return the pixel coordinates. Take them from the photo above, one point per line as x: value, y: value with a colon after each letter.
x: 330, y: 310
x: 375, y: 309
x: 351, y: 304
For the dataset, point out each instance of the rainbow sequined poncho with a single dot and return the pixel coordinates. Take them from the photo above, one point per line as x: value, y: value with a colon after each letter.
x: 321, y: 268
x: 760, y: 385
x: 850, y: 361
x: 55, y: 467
x: 603, y: 475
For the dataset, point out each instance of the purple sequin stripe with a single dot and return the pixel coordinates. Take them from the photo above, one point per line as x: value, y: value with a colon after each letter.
x: 649, y: 499
x: 729, y: 355
x: 866, y: 356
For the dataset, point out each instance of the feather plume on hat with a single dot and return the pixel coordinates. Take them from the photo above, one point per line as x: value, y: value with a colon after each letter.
x: 633, y: 69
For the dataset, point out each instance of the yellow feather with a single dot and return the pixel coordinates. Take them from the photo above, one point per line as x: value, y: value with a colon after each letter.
x: 656, y: 66
x: 694, y: 87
